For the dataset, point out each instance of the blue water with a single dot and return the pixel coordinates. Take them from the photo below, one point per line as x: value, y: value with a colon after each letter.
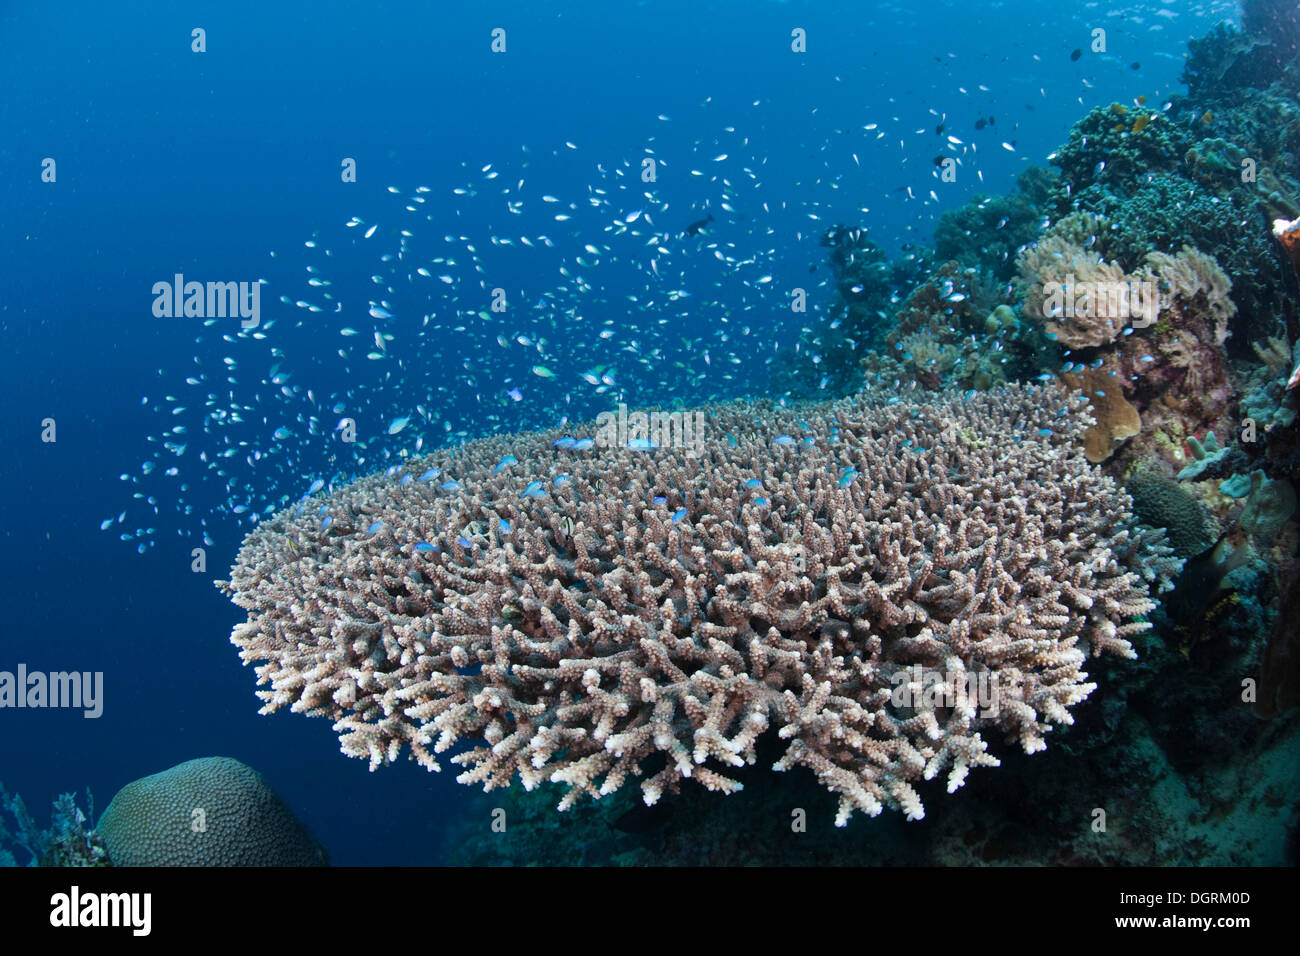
x: 170, y: 161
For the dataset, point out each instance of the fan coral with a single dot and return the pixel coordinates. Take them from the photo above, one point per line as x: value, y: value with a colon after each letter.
x: 585, y: 610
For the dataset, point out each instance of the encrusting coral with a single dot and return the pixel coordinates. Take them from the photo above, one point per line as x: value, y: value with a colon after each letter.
x: 840, y: 574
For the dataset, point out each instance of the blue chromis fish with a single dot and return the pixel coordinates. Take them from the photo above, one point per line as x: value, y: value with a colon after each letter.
x: 783, y: 440
x: 505, y: 462
x: 450, y: 486
x: 582, y: 444
x: 846, y: 479
x: 424, y: 546
x: 374, y: 527
x: 431, y: 474
x: 679, y: 515
x: 534, y: 490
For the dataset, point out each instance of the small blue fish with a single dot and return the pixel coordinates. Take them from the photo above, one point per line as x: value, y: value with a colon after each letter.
x: 753, y: 483
x: 503, y: 526
x: 505, y: 462
x: 659, y: 500
x: 783, y: 440
x: 450, y: 486
x: 761, y: 502
x: 1045, y: 433
x: 582, y: 444
x: 378, y: 312
x: 374, y: 527
x: 533, y: 490
x: 281, y: 433
x: 561, y: 480
x: 465, y: 543
x: 641, y: 444
x: 678, y: 515
x: 731, y: 440
x: 424, y: 546
x: 565, y: 443
x: 316, y: 486
x: 406, y: 480
x: 431, y: 474
x: 516, y: 395
x: 847, y: 478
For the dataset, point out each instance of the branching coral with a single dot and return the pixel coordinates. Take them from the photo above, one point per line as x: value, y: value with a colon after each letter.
x: 584, y: 612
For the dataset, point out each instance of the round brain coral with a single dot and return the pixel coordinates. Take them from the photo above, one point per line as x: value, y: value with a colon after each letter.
x: 213, y: 811
x: 836, y: 574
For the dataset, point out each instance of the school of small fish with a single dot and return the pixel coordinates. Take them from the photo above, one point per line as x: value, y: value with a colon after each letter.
x: 502, y: 302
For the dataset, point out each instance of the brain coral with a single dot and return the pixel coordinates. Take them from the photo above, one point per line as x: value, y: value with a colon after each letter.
x: 213, y: 811
x: 833, y: 573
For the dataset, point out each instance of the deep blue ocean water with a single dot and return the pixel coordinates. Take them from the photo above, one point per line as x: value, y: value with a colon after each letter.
x: 171, y: 161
